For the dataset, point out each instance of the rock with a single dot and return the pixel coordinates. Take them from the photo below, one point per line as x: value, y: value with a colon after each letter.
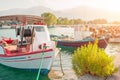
x: 57, y: 75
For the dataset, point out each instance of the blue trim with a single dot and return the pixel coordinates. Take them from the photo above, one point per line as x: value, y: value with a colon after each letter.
x: 42, y: 72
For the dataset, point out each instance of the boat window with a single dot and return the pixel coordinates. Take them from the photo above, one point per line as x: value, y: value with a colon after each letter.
x: 39, y: 29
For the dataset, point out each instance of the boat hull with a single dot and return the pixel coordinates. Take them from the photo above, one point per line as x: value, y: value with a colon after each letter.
x: 102, y: 43
x: 114, y: 40
x: 30, y: 62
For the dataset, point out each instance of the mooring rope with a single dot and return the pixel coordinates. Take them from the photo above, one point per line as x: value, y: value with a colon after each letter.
x: 40, y: 66
x: 105, y: 40
x: 61, y: 62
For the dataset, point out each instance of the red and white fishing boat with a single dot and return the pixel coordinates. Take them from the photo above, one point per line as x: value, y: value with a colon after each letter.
x: 26, y: 52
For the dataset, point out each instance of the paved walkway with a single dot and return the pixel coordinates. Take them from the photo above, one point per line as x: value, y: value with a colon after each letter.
x: 116, y: 76
x: 69, y: 74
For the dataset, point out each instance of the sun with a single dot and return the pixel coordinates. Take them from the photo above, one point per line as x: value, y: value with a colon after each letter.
x: 112, y: 5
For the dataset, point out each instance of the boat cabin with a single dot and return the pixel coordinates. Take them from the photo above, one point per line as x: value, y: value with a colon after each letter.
x: 33, y: 36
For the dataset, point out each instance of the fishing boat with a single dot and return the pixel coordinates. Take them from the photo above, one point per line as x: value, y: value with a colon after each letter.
x: 27, y: 52
x: 114, y: 40
x: 102, y: 42
x: 82, y: 36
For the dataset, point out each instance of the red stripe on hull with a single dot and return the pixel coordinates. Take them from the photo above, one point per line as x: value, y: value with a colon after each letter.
x: 22, y: 54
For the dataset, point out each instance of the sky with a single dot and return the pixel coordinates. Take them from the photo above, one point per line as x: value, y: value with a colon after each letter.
x: 112, y: 5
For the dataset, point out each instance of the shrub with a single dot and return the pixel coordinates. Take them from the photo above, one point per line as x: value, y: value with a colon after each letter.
x: 92, y: 60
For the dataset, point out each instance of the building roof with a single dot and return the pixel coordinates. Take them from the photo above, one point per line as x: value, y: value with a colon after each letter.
x: 30, y: 19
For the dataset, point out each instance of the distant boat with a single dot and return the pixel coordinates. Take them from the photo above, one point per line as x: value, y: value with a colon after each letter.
x: 102, y: 42
x: 114, y: 40
x: 82, y: 36
x: 27, y: 53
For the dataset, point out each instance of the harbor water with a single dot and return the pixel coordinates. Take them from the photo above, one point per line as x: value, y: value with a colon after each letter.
x: 7, y: 73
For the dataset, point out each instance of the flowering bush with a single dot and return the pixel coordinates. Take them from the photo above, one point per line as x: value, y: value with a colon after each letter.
x: 92, y: 60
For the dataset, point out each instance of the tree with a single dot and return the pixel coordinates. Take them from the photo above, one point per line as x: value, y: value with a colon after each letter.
x: 71, y: 21
x: 98, y: 21
x: 78, y: 21
x: 50, y: 19
x: 65, y: 21
x: 60, y: 20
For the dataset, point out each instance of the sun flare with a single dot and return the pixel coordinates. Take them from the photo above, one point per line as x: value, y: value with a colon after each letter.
x: 112, y: 5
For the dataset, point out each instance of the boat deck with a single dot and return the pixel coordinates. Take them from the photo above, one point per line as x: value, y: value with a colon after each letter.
x: 14, y: 50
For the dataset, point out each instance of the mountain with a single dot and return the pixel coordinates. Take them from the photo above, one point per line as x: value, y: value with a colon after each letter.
x: 28, y: 11
x: 83, y: 12
x: 90, y: 13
